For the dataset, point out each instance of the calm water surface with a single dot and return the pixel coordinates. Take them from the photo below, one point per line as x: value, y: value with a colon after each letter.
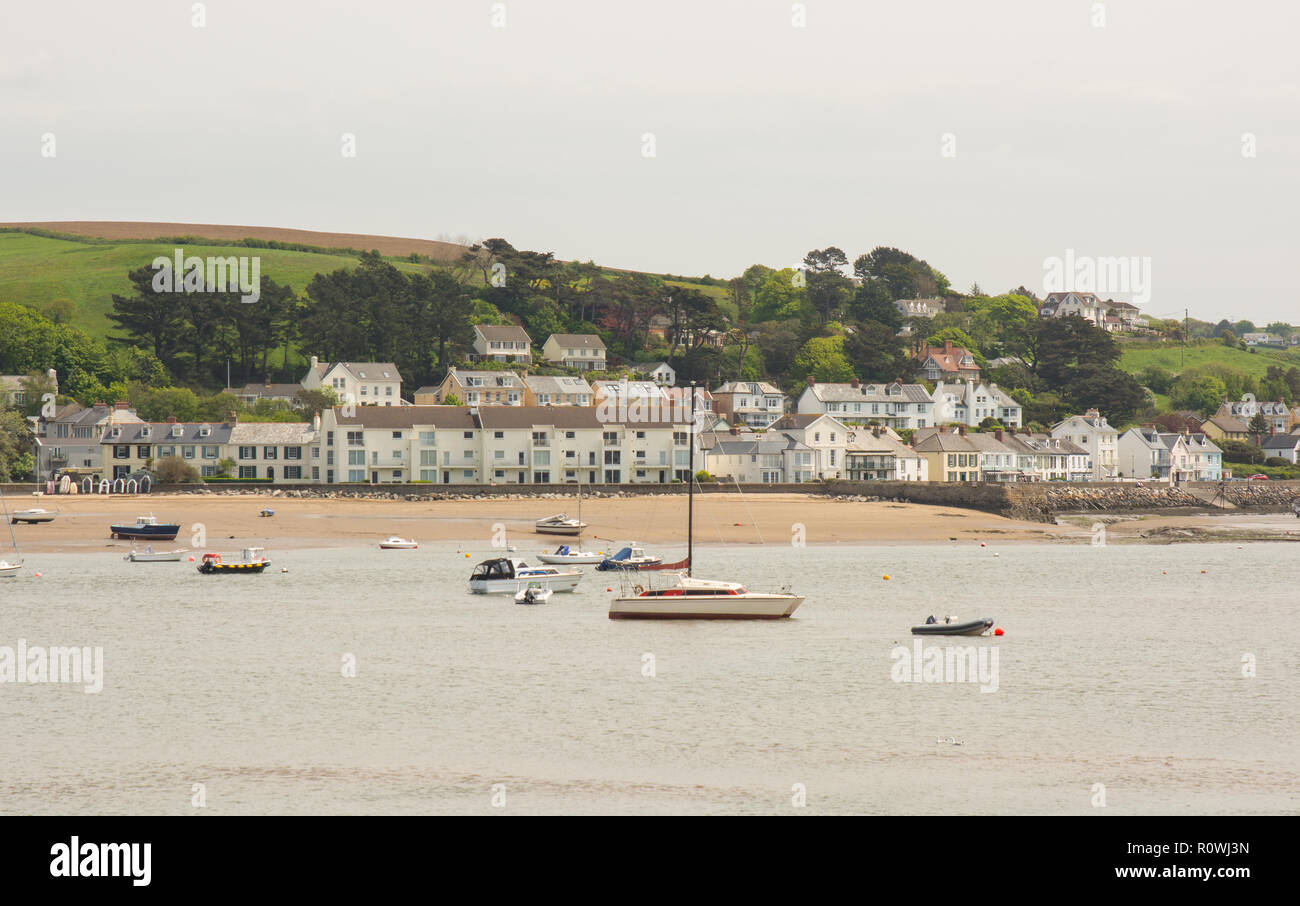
x: 1121, y: 666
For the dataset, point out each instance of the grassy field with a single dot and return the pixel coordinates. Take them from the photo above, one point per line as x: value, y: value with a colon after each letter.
x: 36, y: 270
x: 1167, y: 356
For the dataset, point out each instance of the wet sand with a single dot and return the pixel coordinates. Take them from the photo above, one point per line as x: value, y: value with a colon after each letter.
x: 83, y: 523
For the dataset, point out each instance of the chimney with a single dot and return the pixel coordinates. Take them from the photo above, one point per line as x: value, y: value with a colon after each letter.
x: 100, y: 404
x: 171, y: 419
x: 119, y: 405
x: 811, y: 382
x: 735, y: 430
x: 998, y: 433
x: 232, y: 416
x: 947, y: 347
x: 961, y: 429
x: 314, y: 362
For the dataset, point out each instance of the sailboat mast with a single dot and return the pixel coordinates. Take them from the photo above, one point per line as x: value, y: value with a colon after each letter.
x: 690, y: 494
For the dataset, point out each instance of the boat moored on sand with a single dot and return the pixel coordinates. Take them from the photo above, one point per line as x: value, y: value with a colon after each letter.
x: 559, y: 524
x: 398, y: 544
x: 146, y: 528
x: 32, y: 516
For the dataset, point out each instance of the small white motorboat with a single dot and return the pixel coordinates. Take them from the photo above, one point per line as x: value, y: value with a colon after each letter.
x: 631, y: 557
x: 34, y: 515
x: 398, y: 544
x: 559, y: 524
x: 149, y: 555
x: 566, y: 554
x: 534, y: 593
x: 9, y: 569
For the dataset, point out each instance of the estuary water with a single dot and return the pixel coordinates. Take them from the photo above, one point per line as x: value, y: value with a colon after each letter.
x: 1119, y: 687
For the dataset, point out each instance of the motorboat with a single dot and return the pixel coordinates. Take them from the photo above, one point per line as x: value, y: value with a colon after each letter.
x: 9, y: 569
x: 535, y: 592
x: 254, y: 561
x: 630, y: 557
x: 689, y: 598
x: 146, y: 528
x: 398, y: 544
x: 502, y: 575
x: 31, y: 516
x: 684, y: 597
x: 567, y: 554
x: 951, y: 626
x: 559, y: 524
x: 149, y: 555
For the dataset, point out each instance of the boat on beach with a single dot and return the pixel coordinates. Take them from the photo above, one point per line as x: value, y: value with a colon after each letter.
x: 146, y: 528
x: 32, y: 516
x: 254, y: 561
x: 684, y: 597
x: 149, y: 555
x: 502, y: 575
x: 559, y: 524
x: 398, y: 544
x: 950, y: 626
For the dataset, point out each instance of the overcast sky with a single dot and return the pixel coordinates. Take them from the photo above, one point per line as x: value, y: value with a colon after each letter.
x: 769, y: 139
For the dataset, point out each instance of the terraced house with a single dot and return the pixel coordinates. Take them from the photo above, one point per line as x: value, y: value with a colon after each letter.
x: 480, y: 388
x: 128, y: 448
x: 755, y: 404
x: 70, y: 443
x: 283, y: 452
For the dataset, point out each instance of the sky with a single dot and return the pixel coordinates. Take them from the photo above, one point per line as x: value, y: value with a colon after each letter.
x: 993, y: 139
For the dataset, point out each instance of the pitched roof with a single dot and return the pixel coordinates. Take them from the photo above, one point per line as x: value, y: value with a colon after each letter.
x: 577, y: 340
x: 502, y: 332
x: 272, y: 433
x: 873, y: 393
x: 1281, y: 442
x: 370, y: 371
x: 556, y: 383
x: 1229, y: 424
x: 406, y: 416
x: 562, y: 417
x: 161, y: 433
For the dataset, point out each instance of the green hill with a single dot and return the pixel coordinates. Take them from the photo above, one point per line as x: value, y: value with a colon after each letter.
x: 1136, y: 357
x: 35, y: 270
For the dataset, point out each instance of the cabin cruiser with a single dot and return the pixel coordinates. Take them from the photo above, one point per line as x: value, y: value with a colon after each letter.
x: 630, y: 557
x: 570, y: 554
x: 254, y: 561
x: 146, y: 527
x: 502, y: 575
x: 702, y: 599
x: 559, y: 524
x: 31, y: 516
x: 398, y: 544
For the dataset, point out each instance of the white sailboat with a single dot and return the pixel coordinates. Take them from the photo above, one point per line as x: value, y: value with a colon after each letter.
x: 684, y: 597
x: 8, y: 567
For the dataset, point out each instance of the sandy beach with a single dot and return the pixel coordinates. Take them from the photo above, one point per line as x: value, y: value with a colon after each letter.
x: 231, y: 521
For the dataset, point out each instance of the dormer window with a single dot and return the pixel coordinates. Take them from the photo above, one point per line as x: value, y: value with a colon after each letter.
x: 146, y: 431
x: 177, y: 430
x: 204, y: 431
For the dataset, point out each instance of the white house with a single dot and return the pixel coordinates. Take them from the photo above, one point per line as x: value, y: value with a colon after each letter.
x: 660, y: 372
x: 501, y: 343
x: 894, y: 405
x: 970, y: 403
x: 584, y: 351
x: 1142, y: 454
x: 278, y: 451
x: 1093, y: 433
x: 877, y: 453
x: 358, y: 383
x: 825, y: 436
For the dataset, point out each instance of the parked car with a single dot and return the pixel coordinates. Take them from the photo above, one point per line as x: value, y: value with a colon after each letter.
x: 1258, y: 478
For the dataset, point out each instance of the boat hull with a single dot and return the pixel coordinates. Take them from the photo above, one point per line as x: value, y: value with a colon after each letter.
x: 212, y: 568
x: 557, y: 559
x: 969, y: 627
x: 31, y: 518
x: 399, y: 547
x: 162, y: 557
x: 704, y: 607
x: 8, y: 570
x: 510, y: 586
x: 559, y: 529
x: 145, y: 532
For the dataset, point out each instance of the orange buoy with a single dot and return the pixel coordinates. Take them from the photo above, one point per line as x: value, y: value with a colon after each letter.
x: 885, y: 577
x: 998, y: 631
x: 607, y: 588
x: 38, y: 575
x: 982, y: 544
x: 191, y: 559
x: 1202, y: 572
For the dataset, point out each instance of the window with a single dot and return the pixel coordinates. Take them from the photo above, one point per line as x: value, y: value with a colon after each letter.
x: 248, y: 471
x: 293, y: 452
x: 142, y: 451
x: 293, y: 472
x: 427, y: 438
x: 356, y: 474
x: 248, y: 452
x: 187, y: 452
x: 211, y: 452
x: 469, y: 435
x: 354, y: 439
x: 356, y: 457
x: 612, y: 457
x: 541, y: 457
x: 121, y: 452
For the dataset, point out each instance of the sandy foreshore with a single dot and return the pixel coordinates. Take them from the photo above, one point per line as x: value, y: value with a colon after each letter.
x: 232, y: 521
